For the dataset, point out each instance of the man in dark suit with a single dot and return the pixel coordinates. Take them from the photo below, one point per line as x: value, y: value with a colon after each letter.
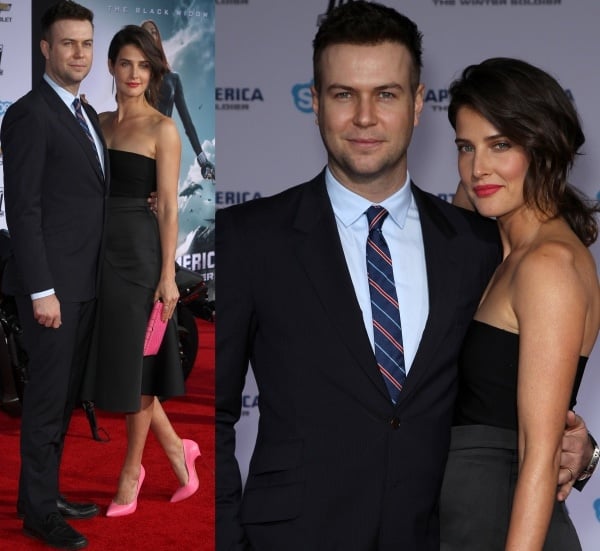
x: 338, y: 464
x: 55, y: 190
x: 341, y: 462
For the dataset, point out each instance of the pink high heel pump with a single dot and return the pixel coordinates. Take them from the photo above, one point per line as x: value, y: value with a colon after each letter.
x: 116, y: 510
x: 191, y: 452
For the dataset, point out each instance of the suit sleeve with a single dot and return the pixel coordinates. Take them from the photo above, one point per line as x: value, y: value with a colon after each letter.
x: 24, y: 146
x: 235, y: 328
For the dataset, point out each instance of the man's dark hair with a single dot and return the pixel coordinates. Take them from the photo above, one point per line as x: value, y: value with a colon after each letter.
x: 368, y: 23
x: 65, y: 9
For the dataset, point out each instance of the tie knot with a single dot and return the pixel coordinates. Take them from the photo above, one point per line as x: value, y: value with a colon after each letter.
x: 76, y: 104
x: 376, y: 215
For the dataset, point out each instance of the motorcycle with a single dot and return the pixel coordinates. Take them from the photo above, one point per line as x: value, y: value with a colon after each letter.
x: 13, y: 358
x: 192, y: 303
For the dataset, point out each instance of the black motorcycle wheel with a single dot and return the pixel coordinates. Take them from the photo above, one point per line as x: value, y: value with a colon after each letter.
x: 13, y: 358
x: 11, y: 387
x: 188, y: 339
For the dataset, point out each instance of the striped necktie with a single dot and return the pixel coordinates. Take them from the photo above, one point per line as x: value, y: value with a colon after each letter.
x: 387, y: 330
x: 85, y: 128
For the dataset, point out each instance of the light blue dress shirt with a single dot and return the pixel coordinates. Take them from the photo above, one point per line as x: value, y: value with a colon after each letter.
x: 402, y: 232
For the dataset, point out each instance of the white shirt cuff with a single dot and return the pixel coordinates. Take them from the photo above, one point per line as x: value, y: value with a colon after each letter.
x: 42, y: 294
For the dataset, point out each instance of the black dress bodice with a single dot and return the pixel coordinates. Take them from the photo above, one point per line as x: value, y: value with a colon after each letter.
x: 131, y: 174
x: 487, y: 370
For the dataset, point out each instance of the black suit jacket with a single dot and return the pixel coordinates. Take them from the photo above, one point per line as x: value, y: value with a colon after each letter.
x: 55, y: 196
x: 336, y: 465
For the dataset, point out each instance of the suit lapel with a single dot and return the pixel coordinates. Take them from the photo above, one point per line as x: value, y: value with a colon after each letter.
x: 317, y: 246
x: 68, y: 120
x: 93, y: 119
x: 443, y: 278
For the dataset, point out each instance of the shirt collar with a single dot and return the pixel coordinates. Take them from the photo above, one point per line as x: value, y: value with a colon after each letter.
x: 64, y: 95
x: 349, y: 206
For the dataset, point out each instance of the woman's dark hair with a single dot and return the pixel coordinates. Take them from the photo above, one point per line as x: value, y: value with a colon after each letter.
x: 366, y: 24
x: 132, y: 35
x: 530, y: 108
x: 157, y: 42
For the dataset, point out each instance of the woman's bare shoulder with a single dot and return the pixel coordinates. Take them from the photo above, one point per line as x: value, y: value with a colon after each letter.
x: 165, y: 128
x: 162, y: 121
x: 559, y: 267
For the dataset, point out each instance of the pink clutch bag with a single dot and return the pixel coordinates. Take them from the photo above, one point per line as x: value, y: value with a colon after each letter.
x: 155, y: 330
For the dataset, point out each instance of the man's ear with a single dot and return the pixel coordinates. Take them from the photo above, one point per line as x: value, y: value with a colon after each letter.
x: 45, y: 48
x: 315, y: 102
x: 419, y: 102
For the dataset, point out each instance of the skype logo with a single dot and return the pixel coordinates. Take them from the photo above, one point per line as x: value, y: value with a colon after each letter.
x: 4, y: 105
x: 302, y: 97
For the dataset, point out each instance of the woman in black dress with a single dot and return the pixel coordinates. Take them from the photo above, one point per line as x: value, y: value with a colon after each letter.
x: 139, y: 269
x: 517, y: 134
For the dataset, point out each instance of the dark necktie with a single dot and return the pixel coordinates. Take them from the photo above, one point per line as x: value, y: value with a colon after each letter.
x: 387, y: 330
x: 85, y: 127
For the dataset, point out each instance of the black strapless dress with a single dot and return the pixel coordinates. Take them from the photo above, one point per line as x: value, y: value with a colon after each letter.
x: 483, y: 464
x: 118, y: 373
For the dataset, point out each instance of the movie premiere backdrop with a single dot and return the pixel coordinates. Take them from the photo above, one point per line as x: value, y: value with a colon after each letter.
x: 187, y: 28
x: 269, y: 140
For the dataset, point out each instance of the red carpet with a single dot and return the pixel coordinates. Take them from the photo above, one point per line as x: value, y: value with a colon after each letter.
x: 90, y: 470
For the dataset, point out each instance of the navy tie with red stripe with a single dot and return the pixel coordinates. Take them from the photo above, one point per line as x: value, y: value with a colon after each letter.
x: 387, y: 329
x: 85, y: 127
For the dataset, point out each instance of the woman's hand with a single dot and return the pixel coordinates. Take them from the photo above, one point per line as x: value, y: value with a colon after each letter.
x: 168, y: 293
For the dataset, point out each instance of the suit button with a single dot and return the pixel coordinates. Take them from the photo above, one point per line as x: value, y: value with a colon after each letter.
x: 395, y: 422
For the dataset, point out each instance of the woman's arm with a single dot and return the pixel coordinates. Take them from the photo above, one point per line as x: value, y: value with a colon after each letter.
x: 550, y: 302
x: 168, y: 156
